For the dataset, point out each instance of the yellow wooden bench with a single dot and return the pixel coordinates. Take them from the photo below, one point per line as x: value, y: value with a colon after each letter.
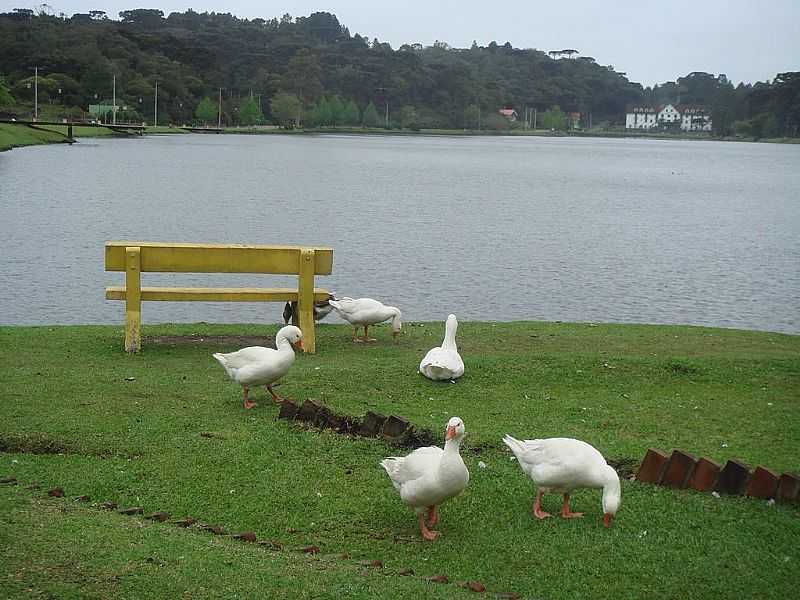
x: 135, y: 258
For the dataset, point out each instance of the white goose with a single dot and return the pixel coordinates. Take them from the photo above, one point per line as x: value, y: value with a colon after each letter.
x: 429, y: 476
x: 365, y: 312
x: 256, y: 365
x: 561, y: 465
x: 444, y: 362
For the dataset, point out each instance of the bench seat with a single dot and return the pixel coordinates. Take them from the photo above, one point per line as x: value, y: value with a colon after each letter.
x: 196, y: 294
x: 135, y: 258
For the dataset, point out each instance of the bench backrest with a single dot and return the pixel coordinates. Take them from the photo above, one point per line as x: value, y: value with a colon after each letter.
x: 217, y: 258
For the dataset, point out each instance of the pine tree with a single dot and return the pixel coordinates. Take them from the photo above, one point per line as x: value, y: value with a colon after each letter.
x: 337, y: 110
x: 351, y: 115
x: 206, y: 111
x: 250, y: 112
x: 321, y: 114
x: 370, y: 117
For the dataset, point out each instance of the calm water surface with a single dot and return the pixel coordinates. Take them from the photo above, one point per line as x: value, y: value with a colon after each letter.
x: 502, y: 229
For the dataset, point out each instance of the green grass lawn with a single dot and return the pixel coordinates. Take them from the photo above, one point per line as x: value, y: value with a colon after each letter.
x: 12, y: 136
x: 79, y: 413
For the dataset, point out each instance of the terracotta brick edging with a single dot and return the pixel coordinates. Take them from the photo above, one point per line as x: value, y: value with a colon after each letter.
x: 679, y: 470
x: 393, y: 429
x: 682, y: 470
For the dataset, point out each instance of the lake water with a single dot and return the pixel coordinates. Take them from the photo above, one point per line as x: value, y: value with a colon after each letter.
x: 490, y: 228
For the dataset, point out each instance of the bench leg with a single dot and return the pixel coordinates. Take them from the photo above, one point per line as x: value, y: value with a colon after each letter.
x: 305, y: 299
x: 133, y: 300
x: 133, y: 335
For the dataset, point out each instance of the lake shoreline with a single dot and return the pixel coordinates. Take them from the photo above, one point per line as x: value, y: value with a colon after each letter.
x: 632, y: 329
x: 13, y: 136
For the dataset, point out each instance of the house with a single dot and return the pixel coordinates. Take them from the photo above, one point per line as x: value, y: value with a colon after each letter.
x: 640, y: 117
x: 668, y: 116
x: 508, y: 113
x: 694, y: 118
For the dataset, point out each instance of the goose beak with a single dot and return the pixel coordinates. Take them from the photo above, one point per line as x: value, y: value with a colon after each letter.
x: 607, y: 519
x: 450, y: 433
x: 298, y: 345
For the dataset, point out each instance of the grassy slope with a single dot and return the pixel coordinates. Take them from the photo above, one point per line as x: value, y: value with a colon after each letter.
x: 13, y: 136
x: 623, y: 388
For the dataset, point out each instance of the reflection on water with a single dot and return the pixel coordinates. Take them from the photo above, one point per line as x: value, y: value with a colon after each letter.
x: 568, y: 229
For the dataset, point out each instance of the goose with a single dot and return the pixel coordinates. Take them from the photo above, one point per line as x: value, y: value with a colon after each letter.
x: 366, y: 312
x: 321, y: 310
x: 429, y: 476
x: 561, y: 465
x: 444, y: 362
x: 256, y: 365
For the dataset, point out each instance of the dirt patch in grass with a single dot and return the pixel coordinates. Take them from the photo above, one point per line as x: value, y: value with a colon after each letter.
x: 624, y: 466
x: 43, y: 444
x: 242, y: 341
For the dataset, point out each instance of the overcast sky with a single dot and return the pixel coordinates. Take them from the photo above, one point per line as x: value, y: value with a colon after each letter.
x: 652, y: 41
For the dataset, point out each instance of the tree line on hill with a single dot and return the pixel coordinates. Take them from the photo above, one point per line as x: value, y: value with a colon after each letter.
x: 215, y: 67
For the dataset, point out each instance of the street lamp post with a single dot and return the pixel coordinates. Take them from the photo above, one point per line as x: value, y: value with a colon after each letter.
x: 35, y: 93
x: 114, y: 100
x: 155, y: 108
x: 382, y: 90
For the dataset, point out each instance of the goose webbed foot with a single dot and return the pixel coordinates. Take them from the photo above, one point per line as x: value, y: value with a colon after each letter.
x: 248, y: 404
x: 423, y: 529
x: 275, y: 398
x: 433, y: 516
x: 566, y: 513
x: 537, y: 507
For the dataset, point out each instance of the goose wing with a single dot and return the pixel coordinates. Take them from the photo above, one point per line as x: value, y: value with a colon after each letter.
x: 404, y: 469
x: 558, y: 462
x: 245, y: 356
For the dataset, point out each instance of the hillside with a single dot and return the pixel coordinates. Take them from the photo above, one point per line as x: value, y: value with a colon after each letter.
x: 247, y: 63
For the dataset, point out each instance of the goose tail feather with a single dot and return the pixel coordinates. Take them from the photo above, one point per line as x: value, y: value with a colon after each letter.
x: 516, y: 446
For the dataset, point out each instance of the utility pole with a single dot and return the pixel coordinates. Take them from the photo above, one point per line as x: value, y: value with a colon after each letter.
x: 219, y: 110
x: 382, y: 90
x: 534, y: 118
x: 35, y: 93
x: 114, y: 100
x: 155, y: 108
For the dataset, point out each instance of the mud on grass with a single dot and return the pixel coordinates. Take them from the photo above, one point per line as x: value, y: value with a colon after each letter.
x: 42, y: 443
x: 213, y: 341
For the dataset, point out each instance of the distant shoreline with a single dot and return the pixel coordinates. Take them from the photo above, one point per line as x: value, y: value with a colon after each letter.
x: 18, y: 136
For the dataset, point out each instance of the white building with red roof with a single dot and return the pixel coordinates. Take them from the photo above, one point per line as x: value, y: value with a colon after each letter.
x: 668, y: 116
x: 508, y: 113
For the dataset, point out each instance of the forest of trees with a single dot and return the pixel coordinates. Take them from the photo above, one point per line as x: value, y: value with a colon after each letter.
x: 311, y: 70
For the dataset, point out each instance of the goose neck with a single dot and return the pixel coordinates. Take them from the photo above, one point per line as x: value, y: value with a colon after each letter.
x: 612, y: 491
x: 449, y: 342
x: 452, y: 446
x: 283, y: 343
